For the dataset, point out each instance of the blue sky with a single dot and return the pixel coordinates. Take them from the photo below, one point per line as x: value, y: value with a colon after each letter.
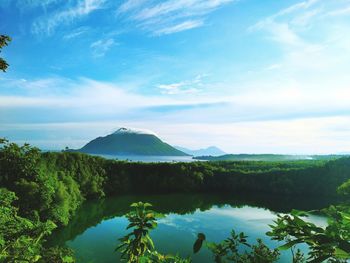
x: 244, y: 75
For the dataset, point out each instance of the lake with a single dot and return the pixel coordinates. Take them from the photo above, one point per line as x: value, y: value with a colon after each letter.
x: 94, y: 231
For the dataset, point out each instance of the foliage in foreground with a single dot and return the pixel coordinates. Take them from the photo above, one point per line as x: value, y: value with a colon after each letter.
x: 325, y: 243
x: 21, y: 238
x: 330, y: 243
x: 4, y: 40
x: 229, y: 250
x: 137, y: 246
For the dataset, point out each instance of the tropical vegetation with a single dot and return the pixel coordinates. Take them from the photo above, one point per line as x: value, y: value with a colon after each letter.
x: 4, y: 40
x: 40, y: 191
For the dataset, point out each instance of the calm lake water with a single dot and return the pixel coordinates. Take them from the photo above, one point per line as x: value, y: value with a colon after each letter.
x: 94, y: 231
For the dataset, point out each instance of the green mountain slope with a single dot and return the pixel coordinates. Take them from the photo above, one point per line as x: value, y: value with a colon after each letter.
x: 129, y: 142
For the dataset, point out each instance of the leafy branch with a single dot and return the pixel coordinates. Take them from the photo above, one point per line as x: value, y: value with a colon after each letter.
x: 4, y: 40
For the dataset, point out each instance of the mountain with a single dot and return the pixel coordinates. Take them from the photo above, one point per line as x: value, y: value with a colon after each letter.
x: 266, y: 157
x: 344, y: 153
x: 131, y: 142
x: 210, y: 151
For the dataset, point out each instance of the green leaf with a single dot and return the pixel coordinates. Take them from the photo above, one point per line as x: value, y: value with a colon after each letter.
x: 341, y: 254
x: 298, y: 213
x: 36, y: 258
x: 68, y: 259
x: 289, y: 245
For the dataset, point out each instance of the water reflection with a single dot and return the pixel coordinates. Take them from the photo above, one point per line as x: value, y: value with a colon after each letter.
x: 94, y: 230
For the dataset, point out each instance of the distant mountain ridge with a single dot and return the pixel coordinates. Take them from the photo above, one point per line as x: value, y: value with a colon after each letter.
x: 210, y: 151
x: 266, y: 157
x: 131, y: 142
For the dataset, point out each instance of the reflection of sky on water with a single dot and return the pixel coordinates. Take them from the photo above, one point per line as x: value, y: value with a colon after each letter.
x: 243, y: 213
x: 177, y: 233
x: 227, y: 216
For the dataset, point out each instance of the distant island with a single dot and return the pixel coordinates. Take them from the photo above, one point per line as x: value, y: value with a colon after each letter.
x: 209, y: 151
x: 266, y: 157
x: 130, y: 142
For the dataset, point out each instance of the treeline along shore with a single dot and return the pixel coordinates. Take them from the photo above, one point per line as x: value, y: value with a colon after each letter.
x: 55, y: 184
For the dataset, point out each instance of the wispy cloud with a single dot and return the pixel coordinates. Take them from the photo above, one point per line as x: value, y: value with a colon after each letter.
x: 85, y: 93
x: 309, y: 36
x: 76, y: 33
x: 171, y: 16
x: 130, y: 5
x: 190, y: 24
x: 183, y: 87
x: 67, y: 15
x: 101, y: 47
x: 295, y: 116
x: 180, y: 7
x: 303, y: 5
x: 29, y: 4
x: 340, y: 12
x: 282, y: 25
x: 292, y: 91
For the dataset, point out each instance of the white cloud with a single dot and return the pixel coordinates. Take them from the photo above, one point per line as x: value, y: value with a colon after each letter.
x: 339, y: 12
x: 299, y: 136
x: 297, y: 103
x: 303, y: 136
x: 183, y: 87
x: 293, y: 100
x: 76, y: 33
x: 273, y: 67
x: 68, y: 15
x: 284, y: 119
x: 296, y: 7
x: 101, y: 47
x: 184, y: 7
x: 27, y: 4
x: 130, y: 5
x: 156, y: 17
x: 306, y: 18
x: 284, y: 26
x: 309, y: 39
x: 190, y: 24
x: 171, y: 16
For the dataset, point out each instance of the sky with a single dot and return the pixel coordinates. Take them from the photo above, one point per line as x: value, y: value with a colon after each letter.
x: 248, y: 76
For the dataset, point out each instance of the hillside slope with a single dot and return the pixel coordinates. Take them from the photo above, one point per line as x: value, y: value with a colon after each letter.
x: 130, y: 142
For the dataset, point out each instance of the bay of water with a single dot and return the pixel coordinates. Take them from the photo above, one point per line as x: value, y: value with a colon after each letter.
x: 94, y: 231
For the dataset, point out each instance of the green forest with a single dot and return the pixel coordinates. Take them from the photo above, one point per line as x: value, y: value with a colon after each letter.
x: 42, y: 191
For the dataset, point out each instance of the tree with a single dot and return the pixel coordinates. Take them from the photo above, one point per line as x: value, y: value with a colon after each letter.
x: 138, y: 243
x: 20, y: 238
x: 137, y: 246
x: 4, y: 40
